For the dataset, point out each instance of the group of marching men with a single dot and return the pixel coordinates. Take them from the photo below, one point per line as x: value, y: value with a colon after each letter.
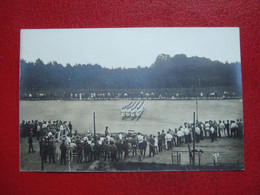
x: 115, y: 148
x: 133, y: 110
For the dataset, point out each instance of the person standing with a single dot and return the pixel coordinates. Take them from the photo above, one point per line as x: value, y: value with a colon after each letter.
x: 79, y: 149
x: 163, y: 139
x: 113, y: 150
x: 168, y: 138
x: 30, y: 141
x: 125, y: 147
x: 222, y: 129
x: 143, y: 147
x: 70, y: 128
x: 63, y: 149
x: 216, y: 130
x: 179, y: 137
x: 197, y: 134
x: 140, y: 140
x: 207, y: 129
x: 134, y: 147
x: 212, y: 133
x: 38, y: 131
x: 87, y: 152
x: 119, y: 145
x: 97, y: 148
x: 45, y: 141
x: 186, y: 132
x: 159, y: 141
x: 51, y: 150
x: 139, y: 137
x: 106, y: 131
x: 227, y: 128
x: 234, y: 128
x: 155, y: 144
x: 61, y: 128
x: 107, y: 151
x: 201, y: 126
x: 151, y: 146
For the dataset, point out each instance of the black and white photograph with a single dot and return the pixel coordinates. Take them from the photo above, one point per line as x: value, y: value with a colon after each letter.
x: 130, y: 99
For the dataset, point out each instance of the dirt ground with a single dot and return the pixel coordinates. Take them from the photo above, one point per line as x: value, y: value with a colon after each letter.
x: 230, y: 153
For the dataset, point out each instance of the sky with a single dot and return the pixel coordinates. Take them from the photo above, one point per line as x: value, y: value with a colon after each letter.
x: 128, y: 47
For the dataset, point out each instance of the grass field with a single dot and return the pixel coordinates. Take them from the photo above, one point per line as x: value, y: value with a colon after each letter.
x: 158, y: 114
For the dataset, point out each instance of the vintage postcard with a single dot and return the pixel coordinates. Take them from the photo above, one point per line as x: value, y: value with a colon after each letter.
x: 130, y: 99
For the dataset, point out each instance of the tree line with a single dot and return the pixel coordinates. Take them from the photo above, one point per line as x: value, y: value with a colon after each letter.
x: 179, y: 71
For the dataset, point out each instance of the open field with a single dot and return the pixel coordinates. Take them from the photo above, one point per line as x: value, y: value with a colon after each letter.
x: 158, y: 114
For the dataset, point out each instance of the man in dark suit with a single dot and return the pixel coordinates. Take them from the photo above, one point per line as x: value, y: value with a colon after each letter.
x: 63, y: 149
x: 70, y: 128
x: 227, y: 128
x: 30, y: 141
x: 151, y: 146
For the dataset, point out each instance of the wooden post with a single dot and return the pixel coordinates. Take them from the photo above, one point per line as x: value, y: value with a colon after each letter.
x: 94, y: 121
x: 193, y: 132
x: 177, y: 157
x: 41, y: 152
x: 189, y: 154
x: 199, y: 158
x: 197, y: 111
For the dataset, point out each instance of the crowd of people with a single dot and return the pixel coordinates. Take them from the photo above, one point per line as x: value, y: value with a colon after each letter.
x: 116, y: 147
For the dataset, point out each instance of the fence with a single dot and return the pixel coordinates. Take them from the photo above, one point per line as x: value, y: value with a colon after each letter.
x: 204, y: 158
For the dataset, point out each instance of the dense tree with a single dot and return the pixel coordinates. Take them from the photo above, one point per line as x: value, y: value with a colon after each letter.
x: 166, y: 72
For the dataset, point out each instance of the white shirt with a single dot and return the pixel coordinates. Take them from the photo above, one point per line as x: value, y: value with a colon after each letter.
x: 221, y: 126
x: 197, y: 130
x: 234, y: 125
x: 212, y: 129
x: 168, y: 137
x: 155, y: 142
x: 180, y: 133
x: 140, y: 138
x: 207, y: 126
x: 183, y: 130
x: 186, y: 131
x: 68, y: 140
